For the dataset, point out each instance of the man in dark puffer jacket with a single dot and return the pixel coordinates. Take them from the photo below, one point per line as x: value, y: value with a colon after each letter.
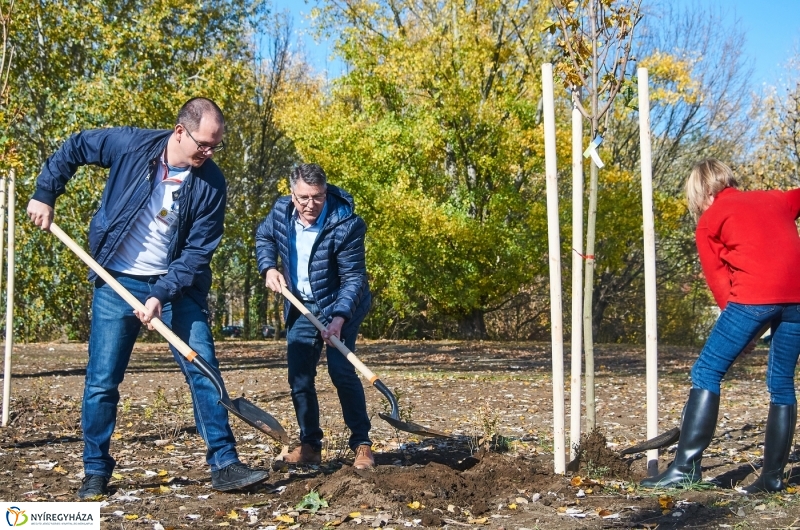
x: 320, y: 242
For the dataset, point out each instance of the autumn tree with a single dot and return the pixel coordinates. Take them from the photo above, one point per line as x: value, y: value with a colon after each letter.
x: 8, y: 113
x: 776, y: 160
x: 263, y: 156
x: 699, y: 96
x: 434, y: 129
x: 95, y: 64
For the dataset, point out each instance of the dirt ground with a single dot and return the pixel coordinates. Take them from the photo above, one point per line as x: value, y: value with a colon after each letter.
x: 496, y: 470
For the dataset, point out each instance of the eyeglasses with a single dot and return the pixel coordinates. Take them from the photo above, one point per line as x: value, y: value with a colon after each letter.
x: 318, y: 199
x: 205, y: 149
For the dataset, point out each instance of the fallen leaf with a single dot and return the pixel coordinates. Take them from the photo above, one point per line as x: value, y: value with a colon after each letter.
x: 576, y: 481
x: 414, y: 505
x: 163, y: 473
x: 284, y: 519
x: 233, y: 515
x: 666, y: 502
x: 482, y: 520
x: 512, y: 506
x: 131, y: 517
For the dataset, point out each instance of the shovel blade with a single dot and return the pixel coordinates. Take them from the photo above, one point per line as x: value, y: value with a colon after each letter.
x: 662, y: 440
x: 255, y: 417
x: 410, y: 426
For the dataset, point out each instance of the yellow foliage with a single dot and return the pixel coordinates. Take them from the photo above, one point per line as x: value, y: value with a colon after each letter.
x: 671, y: 78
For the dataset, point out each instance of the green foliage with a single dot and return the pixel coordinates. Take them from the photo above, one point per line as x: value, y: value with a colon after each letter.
x: 434, y: 130
x: 80, y: 65
x: 312, y: 502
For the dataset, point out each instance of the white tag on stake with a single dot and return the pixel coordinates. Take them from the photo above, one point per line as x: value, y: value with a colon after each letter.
x: 591, y: 151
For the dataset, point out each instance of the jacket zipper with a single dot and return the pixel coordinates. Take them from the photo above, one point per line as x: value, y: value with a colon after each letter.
x: 148, y: 176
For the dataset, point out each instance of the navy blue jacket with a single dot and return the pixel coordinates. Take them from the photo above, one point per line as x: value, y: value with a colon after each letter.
x: 336, y: 270
x: 132, y: 157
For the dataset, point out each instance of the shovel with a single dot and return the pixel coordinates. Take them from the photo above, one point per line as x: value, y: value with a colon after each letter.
x: 393, y: 418
x: 239, y: 407
x: 662, y: 440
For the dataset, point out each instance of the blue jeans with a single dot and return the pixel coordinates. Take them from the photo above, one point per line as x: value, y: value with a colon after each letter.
x: 113, y: 334
x: 303, y: 353
x: 737, y: 325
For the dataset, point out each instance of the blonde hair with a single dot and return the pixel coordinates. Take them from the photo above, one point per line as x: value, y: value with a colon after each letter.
x: 708, y: 177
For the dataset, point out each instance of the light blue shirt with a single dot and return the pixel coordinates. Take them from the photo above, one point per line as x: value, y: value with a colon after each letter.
x: 301, y: 241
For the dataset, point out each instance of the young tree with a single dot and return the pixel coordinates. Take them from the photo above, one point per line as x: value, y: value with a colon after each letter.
x: 595, y: 40
x: 699, y: 92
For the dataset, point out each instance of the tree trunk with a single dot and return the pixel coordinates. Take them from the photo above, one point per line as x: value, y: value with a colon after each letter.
x: 222, y: 305
x: 473, y: 325
x: 246, y: 332
x: 588, y: 335
x: 277, y: 307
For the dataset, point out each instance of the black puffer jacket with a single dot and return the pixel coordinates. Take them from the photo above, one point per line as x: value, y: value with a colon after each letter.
x: 337, y: 269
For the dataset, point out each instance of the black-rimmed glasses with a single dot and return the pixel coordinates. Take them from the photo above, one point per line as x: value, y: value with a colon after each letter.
x: 205, y: 149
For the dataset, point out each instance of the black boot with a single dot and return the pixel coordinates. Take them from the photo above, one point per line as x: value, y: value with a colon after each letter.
x: 777, y: 443
x: 697, y: 429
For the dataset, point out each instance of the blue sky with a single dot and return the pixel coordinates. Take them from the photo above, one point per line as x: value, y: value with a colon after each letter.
x: 772, y: 29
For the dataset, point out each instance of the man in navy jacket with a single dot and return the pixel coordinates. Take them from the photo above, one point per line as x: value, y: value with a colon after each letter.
x: 317, y: 239
x: 159, y: 222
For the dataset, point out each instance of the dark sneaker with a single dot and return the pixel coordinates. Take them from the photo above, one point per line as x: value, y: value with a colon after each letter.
x: 237, y: 476
x: 93, y: 486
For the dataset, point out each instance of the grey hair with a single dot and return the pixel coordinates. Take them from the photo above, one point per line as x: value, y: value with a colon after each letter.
x: 708, y: 178
x: 311, y: 174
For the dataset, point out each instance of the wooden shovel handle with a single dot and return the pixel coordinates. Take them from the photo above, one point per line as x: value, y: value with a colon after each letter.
x: 366, y: 372
x: 159, y: 326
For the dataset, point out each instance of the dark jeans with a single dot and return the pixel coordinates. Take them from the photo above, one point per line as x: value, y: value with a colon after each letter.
x: 113, y: 334
x: 303, y: 353
x: 736, y: 326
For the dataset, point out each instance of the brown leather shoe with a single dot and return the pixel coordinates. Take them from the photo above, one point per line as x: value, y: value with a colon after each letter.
x: 304, y: 454
x: 364, y: 458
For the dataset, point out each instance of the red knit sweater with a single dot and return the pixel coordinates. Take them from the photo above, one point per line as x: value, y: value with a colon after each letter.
x: 749, y: 247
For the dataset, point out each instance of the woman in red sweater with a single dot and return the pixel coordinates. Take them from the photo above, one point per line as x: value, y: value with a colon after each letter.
x: 750, y: 252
